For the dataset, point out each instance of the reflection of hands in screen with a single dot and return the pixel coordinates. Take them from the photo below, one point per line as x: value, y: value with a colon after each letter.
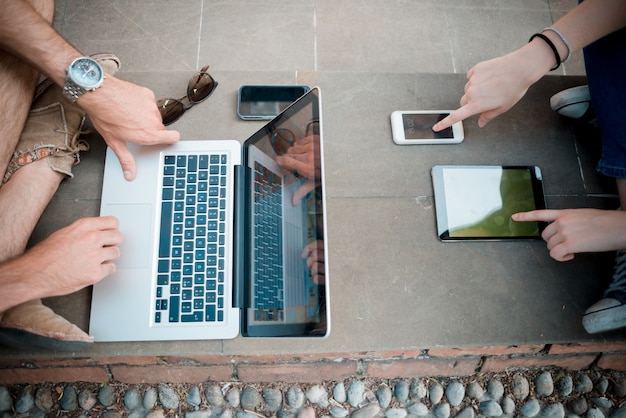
x: 302, y: 159
x: 314, y: 253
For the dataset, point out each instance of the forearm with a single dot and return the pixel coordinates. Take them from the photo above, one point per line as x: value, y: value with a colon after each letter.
x: 27, y: 35
x: 18, y: 283
x: 495, y: 86
x: 592, y: 20
x: 585, y: 24
x: 589, y: 21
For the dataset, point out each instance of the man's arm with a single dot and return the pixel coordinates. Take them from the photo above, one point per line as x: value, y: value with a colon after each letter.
x: 121, y: 111
x: 27, y: 35
x: 68, y: 260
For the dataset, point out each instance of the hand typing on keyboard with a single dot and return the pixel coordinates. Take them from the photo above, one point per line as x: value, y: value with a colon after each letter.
x: 73, y: 257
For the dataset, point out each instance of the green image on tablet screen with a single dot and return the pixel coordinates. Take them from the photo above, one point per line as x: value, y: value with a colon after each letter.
x: 480, y: 203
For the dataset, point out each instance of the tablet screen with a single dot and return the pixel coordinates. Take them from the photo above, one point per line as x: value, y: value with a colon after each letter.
x: 476, y: 202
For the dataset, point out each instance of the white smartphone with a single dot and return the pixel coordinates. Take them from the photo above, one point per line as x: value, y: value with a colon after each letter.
x: 416, y: 127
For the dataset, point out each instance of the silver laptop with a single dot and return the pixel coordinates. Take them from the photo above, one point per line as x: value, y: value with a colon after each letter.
x: 220, y: 239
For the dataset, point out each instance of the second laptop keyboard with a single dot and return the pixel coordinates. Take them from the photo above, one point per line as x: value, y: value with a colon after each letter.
x: 268, y: 245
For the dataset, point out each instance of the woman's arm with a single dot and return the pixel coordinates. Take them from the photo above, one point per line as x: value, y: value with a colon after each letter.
x: 494, y: 86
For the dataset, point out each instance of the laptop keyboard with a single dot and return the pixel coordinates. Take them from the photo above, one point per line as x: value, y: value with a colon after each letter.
x: 268, y: 241
x: 191, y: 276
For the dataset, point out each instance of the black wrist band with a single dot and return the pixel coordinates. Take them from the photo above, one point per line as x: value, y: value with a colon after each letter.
x: 557, y: 57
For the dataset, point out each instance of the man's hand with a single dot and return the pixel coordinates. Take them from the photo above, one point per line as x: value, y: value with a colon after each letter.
x: 314, y: 253
x: 70, y: 259
x: 78, y: 255
x: 301, y: 158
x: 123, y: 112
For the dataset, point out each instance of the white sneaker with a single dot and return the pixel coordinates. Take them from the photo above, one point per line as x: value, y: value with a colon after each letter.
x: 610, y: 312
x: 572, y: 103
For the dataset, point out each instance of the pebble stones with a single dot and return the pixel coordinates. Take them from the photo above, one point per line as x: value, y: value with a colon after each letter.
x: 455, y: 392
x: 295, y: 397
x: 24, y: 401
x: 384, y: 396
x: 169, y: 399
x: 233, y: 397
x: 417, y: 390
x: 215, y: 396
x: 555, y: 410
x: 521, y: 387
x: 490, y: 408
x: 106, y: 395
x: 6, y: 401
x: 436, y: 393
x: 273, y: 399
x: 544, y: 394
x: 577, y: 406
x: 251, y: 399
x: 401, y: 391
x: 566, y: 385
x: 442, y: 410
x: 531, y: 408
x: 193, y: 397
x: 150, y: 398
x: 583, y: 383
x: 544, y: 386
x: 620, y: 387
x: 339, y: 392
x: 43, y: 399
x: 86, y: 400
x: 356, y: 391
x: 475, y: 391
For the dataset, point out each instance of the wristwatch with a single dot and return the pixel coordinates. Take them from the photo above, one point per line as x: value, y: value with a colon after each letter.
x: 83, y: 74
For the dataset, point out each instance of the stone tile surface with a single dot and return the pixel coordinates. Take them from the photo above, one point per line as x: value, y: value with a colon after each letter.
x: 393, y: 284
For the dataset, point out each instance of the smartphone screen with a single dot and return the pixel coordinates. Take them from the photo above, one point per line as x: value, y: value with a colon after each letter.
x: 265, y: 102
x: 420, y: 126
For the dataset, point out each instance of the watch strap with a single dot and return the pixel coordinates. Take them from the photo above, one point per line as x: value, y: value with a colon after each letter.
x: 72, y: 91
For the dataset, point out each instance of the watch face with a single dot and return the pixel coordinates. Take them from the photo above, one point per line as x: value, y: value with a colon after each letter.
x: 86, y: 72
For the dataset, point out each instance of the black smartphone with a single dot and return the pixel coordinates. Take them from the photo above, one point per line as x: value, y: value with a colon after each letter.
x: 265, y: 102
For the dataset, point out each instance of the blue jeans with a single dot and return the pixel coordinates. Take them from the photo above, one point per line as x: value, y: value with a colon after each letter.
x: 605, y: 62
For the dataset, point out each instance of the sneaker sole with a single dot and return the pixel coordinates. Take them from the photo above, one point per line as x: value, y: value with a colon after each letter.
x: 24, y: 340
x: 572, y: 102
x: 605, y: 320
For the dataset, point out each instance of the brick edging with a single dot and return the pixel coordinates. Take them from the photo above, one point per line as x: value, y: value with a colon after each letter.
x: 311, y: 368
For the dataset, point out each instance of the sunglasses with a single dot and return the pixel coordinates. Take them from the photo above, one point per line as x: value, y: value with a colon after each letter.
x: 281, y: 139
x: 199, y: 88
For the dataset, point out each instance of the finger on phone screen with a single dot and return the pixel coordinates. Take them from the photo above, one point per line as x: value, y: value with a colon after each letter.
x: 457, y: 116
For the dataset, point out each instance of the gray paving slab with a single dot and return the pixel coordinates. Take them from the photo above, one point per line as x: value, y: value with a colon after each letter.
x: 386, y: 264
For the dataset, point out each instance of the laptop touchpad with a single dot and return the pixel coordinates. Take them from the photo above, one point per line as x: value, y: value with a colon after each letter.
x: 135, y: 248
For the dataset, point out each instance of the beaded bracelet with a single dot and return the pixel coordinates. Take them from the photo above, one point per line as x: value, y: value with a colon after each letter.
x: 560, y: 35
x: 551, y: 45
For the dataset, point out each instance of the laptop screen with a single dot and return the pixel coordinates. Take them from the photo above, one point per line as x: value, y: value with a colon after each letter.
x: 285, y: 272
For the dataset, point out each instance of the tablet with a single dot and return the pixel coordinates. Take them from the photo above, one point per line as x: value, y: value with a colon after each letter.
x: 476, y: 202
